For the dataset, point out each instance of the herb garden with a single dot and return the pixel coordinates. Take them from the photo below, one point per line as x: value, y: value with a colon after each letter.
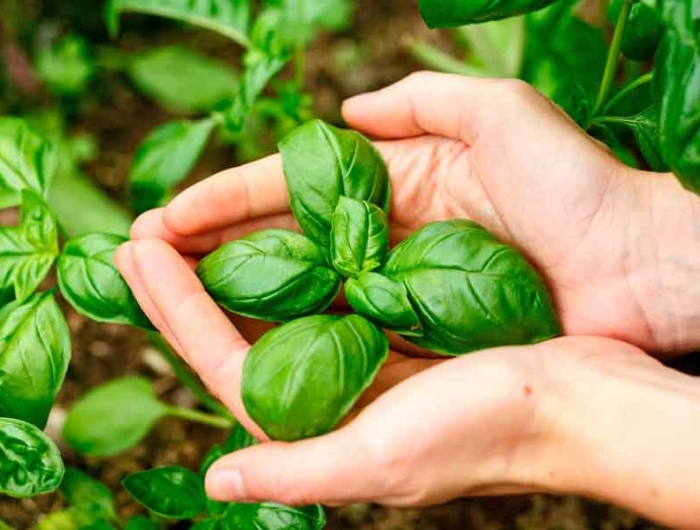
x: 627, y: 72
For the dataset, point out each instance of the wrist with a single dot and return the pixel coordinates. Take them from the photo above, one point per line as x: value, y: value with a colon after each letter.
x: 622, y: 430
x: 664, y: 243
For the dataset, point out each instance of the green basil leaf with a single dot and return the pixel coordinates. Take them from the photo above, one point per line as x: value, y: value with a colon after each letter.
x: 471, y: 291
x: 453, y: 13
x: 34, y: 356
x: 564, y: 56
x: 30, y: 463
x: 359, y: 236
x: 113, y: 417
x: 172, y: 492
x: 271, y: 516
x: 173, y: 77
x: 303, y: 20
x: 645, y: 128
x: 683, y: 19
x: 230, y: 18
x: 262, y: 61
x: 643, y: 31
x: 139, y: 522
x: 27, y: 161
x: 164, y: 159
x: 677, y: 93
x: 302, y: 378
x: 271, y: 275
x: 66, y: 67
x: 27, y: 252
x: 91, y: 283
x: 239, y: 439
x: 322, y: 164
x: 383, y: 301
x: 88, y: 495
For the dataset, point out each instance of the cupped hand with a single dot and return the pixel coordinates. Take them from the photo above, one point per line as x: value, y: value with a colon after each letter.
x: 506, y: 420
x: 497, y: 152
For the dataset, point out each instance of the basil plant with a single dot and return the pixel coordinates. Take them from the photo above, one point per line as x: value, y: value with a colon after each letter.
x: 663, y: 119
x: 451, y: 287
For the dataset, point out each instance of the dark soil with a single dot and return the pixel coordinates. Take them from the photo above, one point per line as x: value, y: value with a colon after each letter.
x: 368, y: 57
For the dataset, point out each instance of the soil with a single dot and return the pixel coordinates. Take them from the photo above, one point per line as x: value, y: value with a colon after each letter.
x: 367, y: 57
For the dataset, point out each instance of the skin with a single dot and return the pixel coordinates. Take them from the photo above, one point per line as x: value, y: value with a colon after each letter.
x: 616, y: 246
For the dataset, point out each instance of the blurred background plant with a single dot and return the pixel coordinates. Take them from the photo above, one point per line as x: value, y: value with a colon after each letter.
x: 144, y: 97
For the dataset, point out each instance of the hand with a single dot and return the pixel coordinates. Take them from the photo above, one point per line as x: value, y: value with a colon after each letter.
x: 618, y: 247
x: 507, y: 420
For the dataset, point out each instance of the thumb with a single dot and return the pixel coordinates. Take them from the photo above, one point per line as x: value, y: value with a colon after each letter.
x: 427, y: 103
x: 334, y: 469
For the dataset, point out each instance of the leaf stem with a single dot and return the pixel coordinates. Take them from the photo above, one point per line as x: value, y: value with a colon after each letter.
x: 188, y: 379
x: 196, y: 416
x: 613, y: 57
x: 628, y: 89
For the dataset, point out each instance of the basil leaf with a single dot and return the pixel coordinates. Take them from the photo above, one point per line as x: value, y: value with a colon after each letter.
x: 164, y: 158
x: 677, y: 93
x: 271, y: 516
x: 359, y: 236
x: 27, y: 252
x: 173, y: 77
x: 262, y: 61
x: 172, y: 492
x: 30, y: 463
x: 471, y: 291
x: 564, y: 56
x: 139, y: 522
x: 453, y: 13
x: 645, y: 128
x: 27, y: 161
x: 271, y: 275
x: 302, y: 378
x: 230, y: 18
x: 66, y: 67
x: 303, y: 20
x: 322, y: 164
x: 91, y: 283
x: 34, y: 356
x: 113, y: 417
x: 383, y: 301
x: 88, y: 495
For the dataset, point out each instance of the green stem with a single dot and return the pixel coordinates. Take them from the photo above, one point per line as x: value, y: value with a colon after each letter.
x: 196, y: 416
x: 621, y: 120
x: 613, y: 57
x: 436, y: 59
x: 186, y: 377
x: 628, y: 89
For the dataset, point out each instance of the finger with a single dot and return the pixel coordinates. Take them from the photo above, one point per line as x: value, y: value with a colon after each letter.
x: 254, y: 190
x: 124, y: 260
x: 424, y: 103
x: 210, y: 344
x: 333, y: 469
x: 152, y: 225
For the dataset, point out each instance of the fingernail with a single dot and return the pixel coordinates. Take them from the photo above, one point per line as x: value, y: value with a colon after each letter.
x: 226, y: 485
